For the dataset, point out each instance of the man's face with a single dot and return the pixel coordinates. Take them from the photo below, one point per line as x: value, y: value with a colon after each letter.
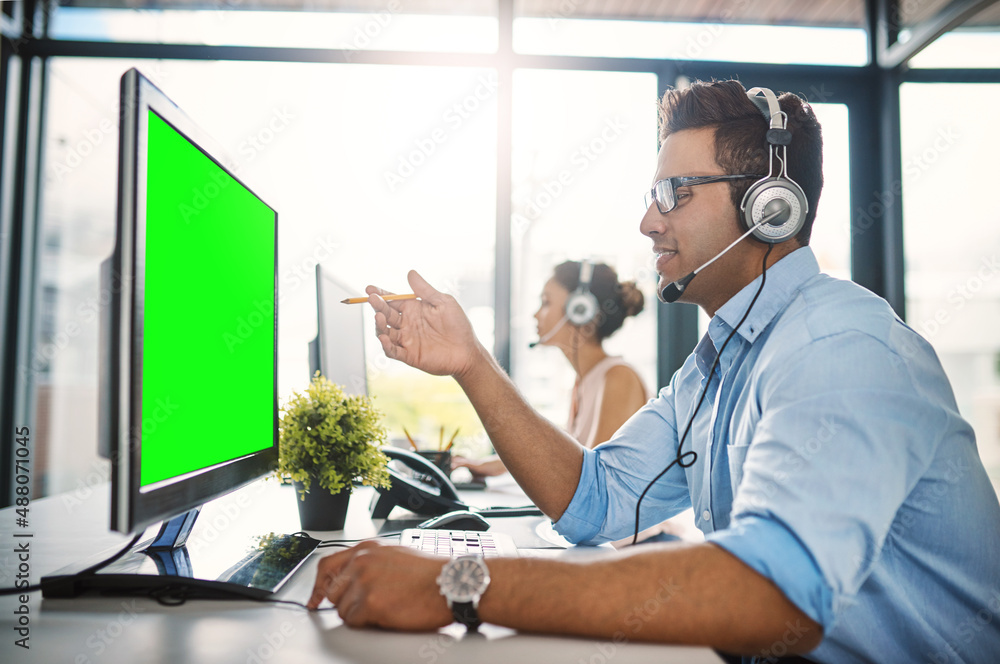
x: 703, y: 223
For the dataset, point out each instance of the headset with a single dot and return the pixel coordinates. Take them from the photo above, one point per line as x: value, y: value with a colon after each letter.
x: 777, y: 194
x: 582, y: 305
x: 774, y: 208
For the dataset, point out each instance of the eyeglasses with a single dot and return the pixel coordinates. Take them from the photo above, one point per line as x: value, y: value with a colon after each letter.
x: 664, y: 192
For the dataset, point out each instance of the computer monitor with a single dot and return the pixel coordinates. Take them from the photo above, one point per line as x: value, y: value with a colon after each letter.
x: 338, y: 351
x: 188, y: 386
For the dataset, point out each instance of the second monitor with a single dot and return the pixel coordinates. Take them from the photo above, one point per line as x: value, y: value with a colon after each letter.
x: 338, y: 351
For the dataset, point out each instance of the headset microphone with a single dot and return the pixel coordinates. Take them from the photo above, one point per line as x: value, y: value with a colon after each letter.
x: 674, y: 290
x: 551, y: 333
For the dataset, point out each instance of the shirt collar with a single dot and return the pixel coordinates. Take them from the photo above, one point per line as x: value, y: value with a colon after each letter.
x: 784, y: 278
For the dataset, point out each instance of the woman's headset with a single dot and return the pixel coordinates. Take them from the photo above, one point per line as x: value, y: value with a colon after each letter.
x: 582, y: 305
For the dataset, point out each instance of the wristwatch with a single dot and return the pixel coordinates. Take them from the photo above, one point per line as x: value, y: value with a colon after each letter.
x: 462, y: 581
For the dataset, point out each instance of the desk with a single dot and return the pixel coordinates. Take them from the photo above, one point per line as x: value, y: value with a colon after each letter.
x: 89, y: 630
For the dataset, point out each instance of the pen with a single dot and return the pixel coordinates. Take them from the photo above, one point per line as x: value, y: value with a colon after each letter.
x: 387, y: 298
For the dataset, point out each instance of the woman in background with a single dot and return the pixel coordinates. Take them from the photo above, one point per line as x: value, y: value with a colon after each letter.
x: 583, y: 304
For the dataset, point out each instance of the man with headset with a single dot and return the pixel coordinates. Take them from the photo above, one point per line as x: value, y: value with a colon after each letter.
x: 846, y: 511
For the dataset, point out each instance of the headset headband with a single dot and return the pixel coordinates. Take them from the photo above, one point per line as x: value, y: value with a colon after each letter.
x: 586, y: 272
x: 768, y: 105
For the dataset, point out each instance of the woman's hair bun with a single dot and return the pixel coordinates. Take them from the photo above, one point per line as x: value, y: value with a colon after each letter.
x: 632, y: 298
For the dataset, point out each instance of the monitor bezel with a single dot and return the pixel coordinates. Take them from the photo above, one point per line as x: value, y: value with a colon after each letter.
x: 133, y: 508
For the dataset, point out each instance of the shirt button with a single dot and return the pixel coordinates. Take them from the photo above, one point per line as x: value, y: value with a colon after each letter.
x: 706, y: 515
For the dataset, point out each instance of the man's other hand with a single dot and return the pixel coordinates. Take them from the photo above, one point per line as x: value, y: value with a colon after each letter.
x: 383, y: 586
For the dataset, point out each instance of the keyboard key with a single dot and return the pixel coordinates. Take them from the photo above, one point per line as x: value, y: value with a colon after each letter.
x: 452, y: 543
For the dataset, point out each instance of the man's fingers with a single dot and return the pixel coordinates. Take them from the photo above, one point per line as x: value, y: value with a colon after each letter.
x: 326, y: 571
x: 316, y: 598
x: 330, y: 583
x: 320, y: 588
x: 422, y: 289
x: 384, y: 329
x: 379, y: 305
x: 391, y: 347
x: 395, y: 336
x: 391, y: 351
x: 350, y: 605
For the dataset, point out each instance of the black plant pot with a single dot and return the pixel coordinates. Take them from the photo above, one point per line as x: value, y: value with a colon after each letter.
x: 322, y: 510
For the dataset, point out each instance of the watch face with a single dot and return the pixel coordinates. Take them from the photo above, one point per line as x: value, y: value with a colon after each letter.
x: 464, y: 579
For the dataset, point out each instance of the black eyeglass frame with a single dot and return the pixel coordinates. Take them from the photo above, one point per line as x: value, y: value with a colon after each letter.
x: 669, y: 187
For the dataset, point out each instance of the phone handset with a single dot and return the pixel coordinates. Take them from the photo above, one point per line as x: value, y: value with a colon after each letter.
x: 417, y: 485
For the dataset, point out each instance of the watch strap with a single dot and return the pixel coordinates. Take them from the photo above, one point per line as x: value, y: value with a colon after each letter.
x: 466, y: 613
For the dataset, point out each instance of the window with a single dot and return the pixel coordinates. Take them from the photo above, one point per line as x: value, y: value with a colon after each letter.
x: 373, y: 170
x: 727, y: 31
x: 952, y: 242
x: 584, y: 149
x: 389, y: 27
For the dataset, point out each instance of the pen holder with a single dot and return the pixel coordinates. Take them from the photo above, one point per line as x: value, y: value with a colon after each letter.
x: 440, y: 458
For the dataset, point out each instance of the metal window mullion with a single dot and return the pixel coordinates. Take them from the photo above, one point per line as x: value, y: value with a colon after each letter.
x: 503, y: 250
x: 22, y: 245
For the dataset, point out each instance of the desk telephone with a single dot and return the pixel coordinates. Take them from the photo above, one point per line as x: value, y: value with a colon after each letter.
x: 416, y: 484
x: 419, y: 486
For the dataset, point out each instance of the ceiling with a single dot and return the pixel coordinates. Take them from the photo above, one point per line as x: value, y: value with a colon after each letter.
x: 826, y: 13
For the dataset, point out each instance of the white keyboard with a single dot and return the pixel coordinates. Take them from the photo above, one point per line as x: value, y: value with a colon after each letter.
x: 454, y: 543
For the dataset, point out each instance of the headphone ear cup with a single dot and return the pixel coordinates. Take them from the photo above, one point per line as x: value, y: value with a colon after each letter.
x: 581, y: 307
x: 769, y: 196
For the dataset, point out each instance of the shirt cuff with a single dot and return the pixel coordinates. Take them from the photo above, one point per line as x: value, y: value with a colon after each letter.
x: 772, y: 550
x: 590, y: 498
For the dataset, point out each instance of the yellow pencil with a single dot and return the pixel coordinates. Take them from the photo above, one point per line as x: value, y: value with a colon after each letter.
x: 388, y: 298
x: 452, y: 441
x: 409, y: 438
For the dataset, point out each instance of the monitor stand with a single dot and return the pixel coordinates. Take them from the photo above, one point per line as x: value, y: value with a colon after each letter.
x: 167, y: 569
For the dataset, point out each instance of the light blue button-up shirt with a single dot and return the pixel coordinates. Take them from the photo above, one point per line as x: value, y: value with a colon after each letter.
x: 832, y: 460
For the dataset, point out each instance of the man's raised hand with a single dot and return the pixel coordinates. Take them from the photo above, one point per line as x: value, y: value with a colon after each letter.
x: 432, y: 334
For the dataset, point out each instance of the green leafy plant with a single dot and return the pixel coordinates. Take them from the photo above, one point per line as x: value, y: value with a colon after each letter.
x: 335, y: 439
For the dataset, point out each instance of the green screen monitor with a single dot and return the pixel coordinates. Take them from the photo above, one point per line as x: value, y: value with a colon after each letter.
x: 196, y: 379
x: 188, y: 389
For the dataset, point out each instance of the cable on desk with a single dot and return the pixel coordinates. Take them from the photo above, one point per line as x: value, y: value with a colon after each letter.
x: 175, y: 595
x: 86, y: 572
x: 347, y: 543
x: 180, y: 593
x: 16, y: 591
x: 526, y: 510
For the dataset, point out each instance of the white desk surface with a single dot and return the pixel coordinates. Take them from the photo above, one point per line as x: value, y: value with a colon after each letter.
x: 89, y: 630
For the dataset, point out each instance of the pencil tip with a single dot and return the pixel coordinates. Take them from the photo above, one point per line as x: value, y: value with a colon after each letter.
x: 346, y: 300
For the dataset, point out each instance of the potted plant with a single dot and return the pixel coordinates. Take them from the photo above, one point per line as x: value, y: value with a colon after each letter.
x: 328, y: 442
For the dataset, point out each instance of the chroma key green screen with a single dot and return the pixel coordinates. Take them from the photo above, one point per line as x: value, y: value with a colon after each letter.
x: 208, y: 333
